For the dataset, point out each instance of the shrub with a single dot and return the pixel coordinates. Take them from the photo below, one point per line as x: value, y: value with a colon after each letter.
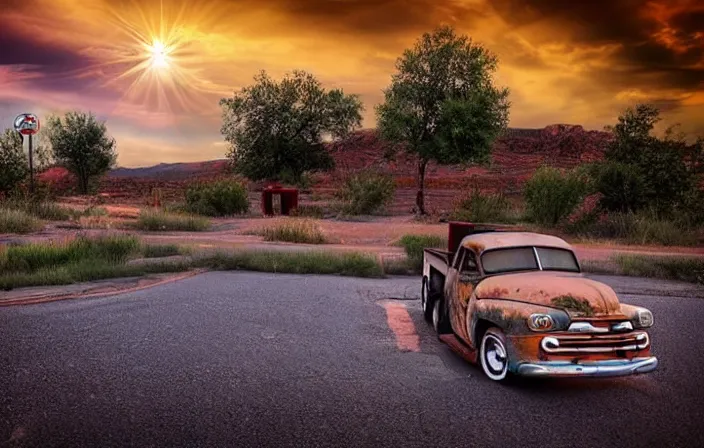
x: 478, y: 207
x: 17, y: 221
x: 366, y: 192
x: 414, y: 245
x: 552, y: 195
x: 620, y: 185
x: 152, y: 220
x: 294, y: 231
x: 222, y: 198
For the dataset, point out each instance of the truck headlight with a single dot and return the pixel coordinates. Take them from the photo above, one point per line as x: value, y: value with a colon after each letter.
x: 644, y: 318
x: 540, y: 322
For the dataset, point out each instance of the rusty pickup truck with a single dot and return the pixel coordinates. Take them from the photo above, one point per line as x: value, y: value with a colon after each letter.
x: 517, y: 303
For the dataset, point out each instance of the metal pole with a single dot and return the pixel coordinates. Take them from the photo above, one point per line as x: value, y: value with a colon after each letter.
x: 31, y: 167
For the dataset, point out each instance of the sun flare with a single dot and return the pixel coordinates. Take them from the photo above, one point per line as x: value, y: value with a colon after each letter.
x: 159, y: 55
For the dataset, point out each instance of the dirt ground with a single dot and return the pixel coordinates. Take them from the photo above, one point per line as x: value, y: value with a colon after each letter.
x: 371, y: 234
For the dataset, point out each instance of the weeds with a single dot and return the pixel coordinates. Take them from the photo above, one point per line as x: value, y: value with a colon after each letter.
x: 151, y: 220
x: 222, y: 198
x: 414, y: 245
x: 161, y: 250
x: 484, y: 208
x: 294, y: 231
x: 18, y: 221
x: 347, y: 264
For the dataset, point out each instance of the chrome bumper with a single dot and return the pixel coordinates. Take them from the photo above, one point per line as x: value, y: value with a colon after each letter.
x: 614, y: 367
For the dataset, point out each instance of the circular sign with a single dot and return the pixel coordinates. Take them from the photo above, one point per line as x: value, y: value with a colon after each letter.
x: 27, y: 124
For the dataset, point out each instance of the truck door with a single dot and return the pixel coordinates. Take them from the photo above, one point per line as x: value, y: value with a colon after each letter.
x: 452, y: 291
x: 467, y: 278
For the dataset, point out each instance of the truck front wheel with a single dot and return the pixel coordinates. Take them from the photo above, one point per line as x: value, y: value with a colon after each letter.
x: 493, y: 355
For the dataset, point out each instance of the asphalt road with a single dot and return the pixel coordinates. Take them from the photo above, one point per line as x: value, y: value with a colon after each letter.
x: 243, y: 359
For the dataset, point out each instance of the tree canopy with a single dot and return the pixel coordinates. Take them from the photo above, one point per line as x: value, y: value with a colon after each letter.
x: 82, y: 145
x: 276, y: 129
x: 442, y: 104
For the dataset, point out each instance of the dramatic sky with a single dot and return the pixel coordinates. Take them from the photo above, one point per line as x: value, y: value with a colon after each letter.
x: 577, y: 62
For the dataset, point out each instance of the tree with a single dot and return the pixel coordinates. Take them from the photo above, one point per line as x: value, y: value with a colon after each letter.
x: 276, y: 129
x: 82, y: 145
x: 442, y: 104
x: 14, y: 164
x: 656, y: 173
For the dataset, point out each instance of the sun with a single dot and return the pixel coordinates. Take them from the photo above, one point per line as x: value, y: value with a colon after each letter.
x: 158, y: 55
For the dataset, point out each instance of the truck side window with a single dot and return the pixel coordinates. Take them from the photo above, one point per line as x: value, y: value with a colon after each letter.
x: 469, y: 263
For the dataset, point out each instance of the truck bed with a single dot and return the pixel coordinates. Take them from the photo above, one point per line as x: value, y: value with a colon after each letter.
x: 437, y: 258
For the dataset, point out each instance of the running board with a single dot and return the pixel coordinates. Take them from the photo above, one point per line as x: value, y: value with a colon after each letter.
x: 459, y: 347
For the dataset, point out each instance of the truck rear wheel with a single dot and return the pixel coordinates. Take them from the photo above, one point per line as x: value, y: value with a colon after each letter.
x: 425, y: 302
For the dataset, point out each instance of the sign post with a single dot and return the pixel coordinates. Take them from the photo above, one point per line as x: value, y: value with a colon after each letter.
x: 28, y: 124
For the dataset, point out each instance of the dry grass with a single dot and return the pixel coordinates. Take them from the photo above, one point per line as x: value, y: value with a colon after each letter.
x: 294, y: 231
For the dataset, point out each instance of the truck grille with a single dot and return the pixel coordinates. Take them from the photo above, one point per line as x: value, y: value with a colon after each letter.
x: 576, y: 344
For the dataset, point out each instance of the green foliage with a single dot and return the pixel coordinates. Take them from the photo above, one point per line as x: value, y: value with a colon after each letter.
x: 442, y: 104
x: 221, y: 198
x: 552, y: 195
x: 641, y: 228
x: 366, y: 192
x: 621, y: 186
x: 661, y: 172
x: 347, y: 263
x: 294, y: 231
x: 688, y: 269
x: 160, y: 250
x: 82, y: 145
x: 276, y: 129
x: 32, y: 257
x: 414, y: 245
x: 154, y: 220
x: 484, y: 208
x: 14, y: 164
x: 18, y: 221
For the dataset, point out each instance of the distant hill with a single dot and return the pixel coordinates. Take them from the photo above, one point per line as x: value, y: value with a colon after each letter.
x: 172, y: 171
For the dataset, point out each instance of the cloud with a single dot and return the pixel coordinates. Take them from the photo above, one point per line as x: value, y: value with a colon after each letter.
x: 570, y: 62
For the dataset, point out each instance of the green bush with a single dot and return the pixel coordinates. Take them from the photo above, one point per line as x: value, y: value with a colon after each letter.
x: 414, y: 245
x: 152, y: 220
x: 487, y: 208
x: 552, y: 195
x: 294, y: 231
x: 620, y: 185
x: 221, y: 198
x: 366, y: 192
x: 18, y: 221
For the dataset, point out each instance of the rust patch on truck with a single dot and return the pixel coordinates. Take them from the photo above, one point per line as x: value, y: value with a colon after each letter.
x: 581, y: 307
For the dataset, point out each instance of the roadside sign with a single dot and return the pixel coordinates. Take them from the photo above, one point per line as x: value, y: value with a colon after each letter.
x: 27, y: 124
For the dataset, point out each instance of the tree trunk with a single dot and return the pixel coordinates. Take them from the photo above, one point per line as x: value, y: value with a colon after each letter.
x: 420, y: 197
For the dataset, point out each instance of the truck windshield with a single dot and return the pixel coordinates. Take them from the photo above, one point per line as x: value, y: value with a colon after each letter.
x: 524, y: 259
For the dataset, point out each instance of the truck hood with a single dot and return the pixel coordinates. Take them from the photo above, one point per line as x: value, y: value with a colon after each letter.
x: 578, y: 296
